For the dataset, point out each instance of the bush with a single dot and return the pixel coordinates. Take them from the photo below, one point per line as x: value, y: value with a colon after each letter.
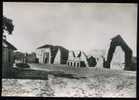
x: 92, y: 61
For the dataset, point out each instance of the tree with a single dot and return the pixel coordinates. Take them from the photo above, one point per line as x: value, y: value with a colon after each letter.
x: 7, y: 25
x: 92, y: 61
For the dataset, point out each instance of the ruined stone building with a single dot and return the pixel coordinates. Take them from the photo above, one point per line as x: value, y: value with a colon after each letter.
x: 61, y: 55
x: 43, y: 53
x: 119, y: 54
x: 49, y: 54
x: 77, y: 59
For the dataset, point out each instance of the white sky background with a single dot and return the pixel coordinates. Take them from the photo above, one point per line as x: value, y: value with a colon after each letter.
x: 76, y: 26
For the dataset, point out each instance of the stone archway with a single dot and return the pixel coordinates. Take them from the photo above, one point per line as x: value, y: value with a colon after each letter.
x: 118, y: 41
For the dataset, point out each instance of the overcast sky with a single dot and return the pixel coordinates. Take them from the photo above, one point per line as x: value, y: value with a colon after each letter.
x: 76, y: 26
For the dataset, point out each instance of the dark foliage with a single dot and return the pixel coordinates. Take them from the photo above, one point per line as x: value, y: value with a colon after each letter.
x: 8, y: 25
x: 82, y: 64
x: 19, y: 55
x: 92, y: 61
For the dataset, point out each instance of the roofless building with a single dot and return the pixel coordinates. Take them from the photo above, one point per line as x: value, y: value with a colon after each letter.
x: 115, y: 42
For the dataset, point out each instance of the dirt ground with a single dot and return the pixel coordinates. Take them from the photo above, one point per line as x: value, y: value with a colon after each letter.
x: 98, y: 85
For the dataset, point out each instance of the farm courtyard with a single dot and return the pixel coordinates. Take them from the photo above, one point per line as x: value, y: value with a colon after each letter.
x: 73, y: 82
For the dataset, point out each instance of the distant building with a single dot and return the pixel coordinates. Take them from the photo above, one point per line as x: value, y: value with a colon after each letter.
x: 43, y: 53
x: 31, y: 58
x: 77, y: 59
x: 49, y: 54
x: 7, y: 56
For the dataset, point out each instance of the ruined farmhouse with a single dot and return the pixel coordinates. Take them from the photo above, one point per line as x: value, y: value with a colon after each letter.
x: 118, y: 56
x: 49, y: 54
x: 77, y: 59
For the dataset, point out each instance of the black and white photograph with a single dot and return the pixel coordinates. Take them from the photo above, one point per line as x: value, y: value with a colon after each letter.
x: 69, y: 49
